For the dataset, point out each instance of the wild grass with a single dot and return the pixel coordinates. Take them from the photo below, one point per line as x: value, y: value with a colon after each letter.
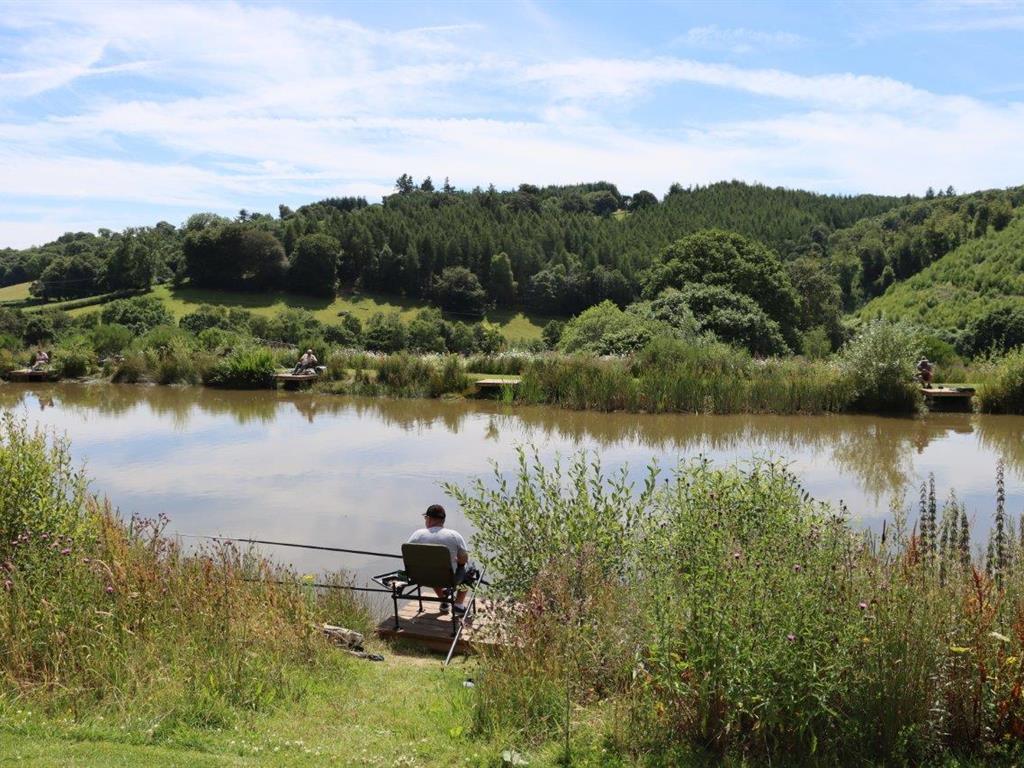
x: 722, y: 614
x: 98, y: 614
x: 1003, y: 390
x: 248, y: 367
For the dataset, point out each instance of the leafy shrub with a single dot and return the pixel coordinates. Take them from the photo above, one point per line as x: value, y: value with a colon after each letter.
x: 879, y: 365
x: 1003, y: 392
x: 605, y: 329
x: 245, y: 368
x: 457, y: 289
x: 111, y: 339
x: 74, y: 358
x: 290, y: 325
x: 140, y: 313
x: 552, y: 333
x: 131, y: 369
x: 734, y: 318
x: 176, y: 362
x: 385, y: 332
x: 216, y: 339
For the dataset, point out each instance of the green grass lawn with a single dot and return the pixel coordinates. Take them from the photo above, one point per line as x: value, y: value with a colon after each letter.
x: 406, y: 711
x: 18, y: 292
x: 514, y: 324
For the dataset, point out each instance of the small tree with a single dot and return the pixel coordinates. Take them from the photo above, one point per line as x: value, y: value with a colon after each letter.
x: 502, y: 284
x: 427, y: 185
x: 457, y: 289
x: 314, y: 265
x: 404, y: 184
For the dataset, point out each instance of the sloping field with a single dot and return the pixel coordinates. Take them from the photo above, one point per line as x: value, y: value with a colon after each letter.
x: 976, y: 277
x: 514, y: 325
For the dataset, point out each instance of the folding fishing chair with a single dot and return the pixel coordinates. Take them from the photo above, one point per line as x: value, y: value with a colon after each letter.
x: 426, y: 565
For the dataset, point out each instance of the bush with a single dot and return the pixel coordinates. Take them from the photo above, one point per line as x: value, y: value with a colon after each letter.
x: 457, y: 289
x: 245, y: 368
x: 385, y: 332
x: 140, y: 313
x: 74, y: 358
x: 404, y: 374
x: 111, y: 339
x: 1003, y: 392
x: 879, y: 364
x: 449, y: 377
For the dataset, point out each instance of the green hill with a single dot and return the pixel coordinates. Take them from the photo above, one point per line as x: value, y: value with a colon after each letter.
x: 975, y: 278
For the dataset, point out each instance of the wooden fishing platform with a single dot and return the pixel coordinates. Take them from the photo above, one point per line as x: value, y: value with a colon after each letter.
x: 491, y: 384
x: 433, y: 629
x: 295, y: 379
x: 27, y: 374
x: 948, y: 398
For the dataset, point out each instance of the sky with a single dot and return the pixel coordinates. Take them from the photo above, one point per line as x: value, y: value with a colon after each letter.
x: 115, y: 115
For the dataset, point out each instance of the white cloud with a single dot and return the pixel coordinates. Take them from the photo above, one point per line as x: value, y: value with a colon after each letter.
x: 738, y: 40
x: 246, y: 106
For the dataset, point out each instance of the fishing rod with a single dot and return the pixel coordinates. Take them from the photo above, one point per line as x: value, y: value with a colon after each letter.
x: 289, y: 544
x: 297, y: 583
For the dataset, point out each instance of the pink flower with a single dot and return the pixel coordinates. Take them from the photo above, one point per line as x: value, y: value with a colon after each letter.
x: 110, y: 590
x: 8, y: 585
x: 797, y: 568
x: 66, y: 551
x: 791, y: 637
x: 863, y: 606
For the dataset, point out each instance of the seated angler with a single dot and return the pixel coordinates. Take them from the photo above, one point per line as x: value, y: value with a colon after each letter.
x: 434, y: 532
x: 307, y: 362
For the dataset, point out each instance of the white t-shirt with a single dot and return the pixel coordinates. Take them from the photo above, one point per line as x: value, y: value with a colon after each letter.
x: 445, y: 537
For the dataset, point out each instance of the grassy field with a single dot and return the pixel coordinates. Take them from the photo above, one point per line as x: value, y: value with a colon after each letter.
x: 350, y: 716
x: 513, y: 324
x: 17, y: 292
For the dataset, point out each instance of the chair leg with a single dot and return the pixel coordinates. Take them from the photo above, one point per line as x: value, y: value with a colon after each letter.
x: 394, y: 599
x: 419, y: 594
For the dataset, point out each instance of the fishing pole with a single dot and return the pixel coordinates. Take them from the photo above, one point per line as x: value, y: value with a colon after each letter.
x: 349, y: 587
x: 289, y: 544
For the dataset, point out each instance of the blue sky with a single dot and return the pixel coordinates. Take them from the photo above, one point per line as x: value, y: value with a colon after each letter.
x: 113, y: 115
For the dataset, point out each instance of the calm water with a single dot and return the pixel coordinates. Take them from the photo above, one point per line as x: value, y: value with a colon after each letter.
x: 356, y: 473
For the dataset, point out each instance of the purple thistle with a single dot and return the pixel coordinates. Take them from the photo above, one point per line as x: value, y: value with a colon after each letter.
x: 110, y: 590
x: 66, y: 551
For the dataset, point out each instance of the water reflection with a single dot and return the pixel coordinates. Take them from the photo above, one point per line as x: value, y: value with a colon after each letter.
x: 323, y: 468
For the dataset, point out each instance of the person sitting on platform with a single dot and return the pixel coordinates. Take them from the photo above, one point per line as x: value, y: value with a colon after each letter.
x: 434, y: 532
x: 924, y: 371
x: 40, y: 360
x: 306, y: 363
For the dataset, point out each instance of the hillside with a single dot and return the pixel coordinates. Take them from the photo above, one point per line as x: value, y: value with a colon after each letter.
x: 973, y: 279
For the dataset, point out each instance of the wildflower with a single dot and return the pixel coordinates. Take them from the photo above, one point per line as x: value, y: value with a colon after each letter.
x: 797, y: 568
x: 735, y: 555
x: 791, y: 637
x: 86, y: 560
x: 8, y: 585
x: 862, y: 605
x: 110, y: 590
x: 66, y: 551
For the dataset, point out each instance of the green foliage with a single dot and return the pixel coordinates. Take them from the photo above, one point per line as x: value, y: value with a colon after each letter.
x: 998, y: 330
x: 734, y: 318
x: 74, y: 358
x: 552, y: 333
x: 501, y: 284
x: 313, y: 265
x: 815, y: 343
x: 209, y: 316
x: 733, y: 262
x: 245, y: 368
x: 878, y: 366
x: 133, y: 263
x: 139, y: 313
x: 457, y: 289
x: 91, y: 607
x: 426, y: 332
x: 1003, y: 392
x: 980, y: 277
x: 70, y: 276
x: 232, y: 255
x: 385, y: 332
x: 724, y: 612
x: 605, y: 329
x: 111, y: 338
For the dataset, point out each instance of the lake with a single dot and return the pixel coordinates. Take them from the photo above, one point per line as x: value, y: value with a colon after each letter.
x: 357, y: 473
